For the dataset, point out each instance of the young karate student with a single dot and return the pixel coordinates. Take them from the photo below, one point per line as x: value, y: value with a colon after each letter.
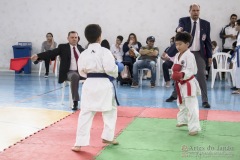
x: 237, y: 59
x: 188, y: 89
x: 96, y: 63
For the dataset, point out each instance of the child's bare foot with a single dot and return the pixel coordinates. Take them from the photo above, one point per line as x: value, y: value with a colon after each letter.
x: 181, y: 125
x: 114, y: 142
x: 193, y: 133
x: 76, y: 148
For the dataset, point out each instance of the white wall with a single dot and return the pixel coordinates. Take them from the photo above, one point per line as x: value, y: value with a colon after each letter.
x: 30, y: 20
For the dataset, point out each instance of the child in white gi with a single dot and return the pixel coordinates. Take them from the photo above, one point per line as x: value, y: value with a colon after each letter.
x: 237, y: 59
x: 96, y: 63
x: 188, y: 89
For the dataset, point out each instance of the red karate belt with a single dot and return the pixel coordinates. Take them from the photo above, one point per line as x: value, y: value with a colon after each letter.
x: 189, y: 90
x: 17, y: 64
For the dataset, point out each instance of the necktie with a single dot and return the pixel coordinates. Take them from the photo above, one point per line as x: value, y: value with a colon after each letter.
x: 75, y: 54
x: 193, y: 32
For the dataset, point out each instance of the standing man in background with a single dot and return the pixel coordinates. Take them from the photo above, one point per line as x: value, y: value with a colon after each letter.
x: 228, y: 34
x: 200, y: 46
x: 68, y: 70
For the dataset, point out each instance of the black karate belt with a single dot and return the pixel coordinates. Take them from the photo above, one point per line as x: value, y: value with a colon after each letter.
x: 103, y: 75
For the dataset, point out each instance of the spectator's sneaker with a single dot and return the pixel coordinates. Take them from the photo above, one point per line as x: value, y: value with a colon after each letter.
x: 234, y: 88
x: 206, y: 105
x: 134, y: 85
x: 46, y: 75
x: 152, y: 85
x: 168, y: 84
x: 171, y: 99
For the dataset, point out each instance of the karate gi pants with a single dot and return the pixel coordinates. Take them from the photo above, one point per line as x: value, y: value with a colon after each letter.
x: 237, y: 77
x: 189, y: 113
x: 85, y: 122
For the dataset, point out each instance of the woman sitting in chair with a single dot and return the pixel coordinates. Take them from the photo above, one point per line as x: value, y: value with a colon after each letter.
x: 49, y: 44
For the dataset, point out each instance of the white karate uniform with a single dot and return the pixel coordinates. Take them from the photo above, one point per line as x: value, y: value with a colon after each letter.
x: 189, y: 109
x: 97, y: 93
x: 237, y: 69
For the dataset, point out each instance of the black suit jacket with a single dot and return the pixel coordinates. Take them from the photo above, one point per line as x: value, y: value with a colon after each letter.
x: 205, y: 40
x: 64, y: 51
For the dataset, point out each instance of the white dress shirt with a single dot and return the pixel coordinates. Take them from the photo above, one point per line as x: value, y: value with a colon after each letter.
x: 117, y: 52
x: 196, y: 41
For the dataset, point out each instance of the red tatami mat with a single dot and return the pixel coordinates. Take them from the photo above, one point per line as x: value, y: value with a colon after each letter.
x: 226, y: 116
x: 167, y: 113
x: 55, y: 142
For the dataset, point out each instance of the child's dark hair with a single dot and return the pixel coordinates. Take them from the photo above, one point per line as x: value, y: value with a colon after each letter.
x: 183, y: 36
x: 238, y: 22
x: 234, y: 44
x: 105, y: 44
x: 120, y: 38
x: 214, y: 43
x: 92, y: 32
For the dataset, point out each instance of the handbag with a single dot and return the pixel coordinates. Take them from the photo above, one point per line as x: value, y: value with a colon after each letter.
x: 131, y: 53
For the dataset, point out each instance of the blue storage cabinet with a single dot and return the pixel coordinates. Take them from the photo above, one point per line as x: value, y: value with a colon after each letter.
x: 23, y: 49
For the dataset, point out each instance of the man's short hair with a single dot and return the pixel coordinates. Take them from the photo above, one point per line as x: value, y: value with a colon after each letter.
x: 71, y: 33
x: 120, y: 38
x: 233, y: 15
x: 92, y: 32
x: 194, y: 4
x: 183, y: 36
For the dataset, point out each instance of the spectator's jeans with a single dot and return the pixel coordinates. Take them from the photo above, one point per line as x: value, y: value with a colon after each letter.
x: 140, y: 64
x: 166, y: 66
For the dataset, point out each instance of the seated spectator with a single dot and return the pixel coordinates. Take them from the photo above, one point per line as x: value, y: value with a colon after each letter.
x: 130, y: 49
x: 117, y: 49
x: 215, y: 47
x: 105, y: 44
x: 167, y: 64
x: 237, y: 60
x: 232, y: 51
x: 49, y: 44
x: 148, y: 59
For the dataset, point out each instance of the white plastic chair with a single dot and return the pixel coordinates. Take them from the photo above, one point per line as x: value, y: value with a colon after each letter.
x: 57, y: 61
x: 157, y: 73
x: 40, y: 68
x: 65, y: 83
x: 222, y: 66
